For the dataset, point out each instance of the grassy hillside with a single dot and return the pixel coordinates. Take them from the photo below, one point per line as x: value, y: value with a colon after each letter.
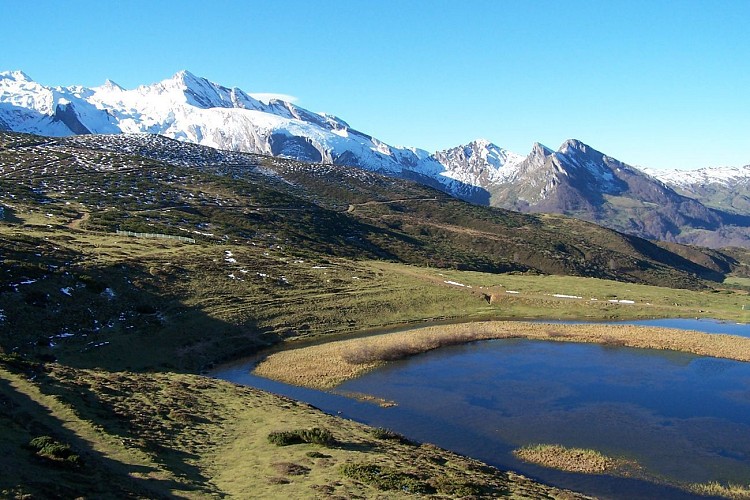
x: 102, y: 333
x: 98, y: 184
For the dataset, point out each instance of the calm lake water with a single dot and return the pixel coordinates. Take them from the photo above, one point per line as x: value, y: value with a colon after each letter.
x: 683, y: 417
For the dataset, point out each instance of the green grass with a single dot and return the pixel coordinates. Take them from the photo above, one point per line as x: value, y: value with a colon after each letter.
x: 732, y: 491
x: 125, y: 294
x: 580, y: 460
x: 738, y: 281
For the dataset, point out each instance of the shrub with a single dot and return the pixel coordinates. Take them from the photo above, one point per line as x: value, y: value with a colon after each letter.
x: 389, y: 435
x: 285, y: 438
x: 446, y: 485
x: 386, y: 478
x: 316, y: 435
x: 49, y: 448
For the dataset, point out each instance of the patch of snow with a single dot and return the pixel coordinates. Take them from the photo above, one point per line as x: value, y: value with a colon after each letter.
x: 726, y: 176
x: 514, y: 292
x: 453, y: 283
x: 563, y: 296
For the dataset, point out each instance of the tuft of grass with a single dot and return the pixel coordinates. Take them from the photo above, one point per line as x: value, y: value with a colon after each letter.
x: 389, y: 435
x: 581, y: 460
x: 448, y: 485
x: 733, y: 491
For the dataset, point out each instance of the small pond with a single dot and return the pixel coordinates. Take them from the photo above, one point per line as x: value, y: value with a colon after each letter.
x: 684, y: 418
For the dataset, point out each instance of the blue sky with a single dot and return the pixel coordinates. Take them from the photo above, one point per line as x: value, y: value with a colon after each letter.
x: 662, y: 84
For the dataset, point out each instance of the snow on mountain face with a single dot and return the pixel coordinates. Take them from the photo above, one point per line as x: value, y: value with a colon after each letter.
x: 479, y: 163
x: 724, y: 176
x: 592, y: 168
x: 193, y: 109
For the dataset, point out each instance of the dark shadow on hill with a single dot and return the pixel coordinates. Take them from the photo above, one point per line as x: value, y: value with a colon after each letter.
x: 94, y: 475
x: 8, y: 215
x: 676, y: 261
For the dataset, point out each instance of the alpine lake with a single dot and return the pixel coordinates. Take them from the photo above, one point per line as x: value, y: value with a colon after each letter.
x: 682, y: 418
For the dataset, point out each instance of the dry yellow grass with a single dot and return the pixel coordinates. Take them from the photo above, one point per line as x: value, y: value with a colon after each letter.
x: 327, y: 365
x: 579, y: 460
x: 733, y: 491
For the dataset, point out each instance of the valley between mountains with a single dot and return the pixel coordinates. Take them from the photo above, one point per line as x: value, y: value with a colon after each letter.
x: 150, y: 235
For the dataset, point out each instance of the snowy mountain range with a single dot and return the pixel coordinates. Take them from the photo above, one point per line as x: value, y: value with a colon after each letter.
x: 192, y: 109
x: 575, y: 180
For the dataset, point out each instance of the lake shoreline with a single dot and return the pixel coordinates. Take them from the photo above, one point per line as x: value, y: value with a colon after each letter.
x: 324, y: 366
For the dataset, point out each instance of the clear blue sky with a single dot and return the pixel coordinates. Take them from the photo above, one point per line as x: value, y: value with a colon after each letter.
x: 663, y: 84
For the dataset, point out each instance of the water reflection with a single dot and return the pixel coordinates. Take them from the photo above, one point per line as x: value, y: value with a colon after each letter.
x: 685, y: 418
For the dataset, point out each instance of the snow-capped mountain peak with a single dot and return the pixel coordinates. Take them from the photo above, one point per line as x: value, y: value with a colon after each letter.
x: 110, y: 86
x: 726, y: 176
x: 15, y: 75
x: 574, y: 179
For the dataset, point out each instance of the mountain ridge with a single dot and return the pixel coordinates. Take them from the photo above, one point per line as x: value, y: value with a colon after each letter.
x: 575, y: 180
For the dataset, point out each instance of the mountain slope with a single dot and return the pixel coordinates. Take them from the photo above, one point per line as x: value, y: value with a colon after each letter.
x: 575, y: 180
x: 724, y: 188
x: 582, y: 182
x: 156, y: 185
x: 192, y: 109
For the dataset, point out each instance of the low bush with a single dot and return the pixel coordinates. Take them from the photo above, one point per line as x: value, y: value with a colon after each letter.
x: 386, y: 478
x: 285, y: 438
x: 447, y: 485
x: 315, y: 435
x: 48, y: 448
x: 389, y: 435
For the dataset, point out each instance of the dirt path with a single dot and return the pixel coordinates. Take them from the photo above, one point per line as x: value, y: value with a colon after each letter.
x: 76, y: 223
x: 353, y: 206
